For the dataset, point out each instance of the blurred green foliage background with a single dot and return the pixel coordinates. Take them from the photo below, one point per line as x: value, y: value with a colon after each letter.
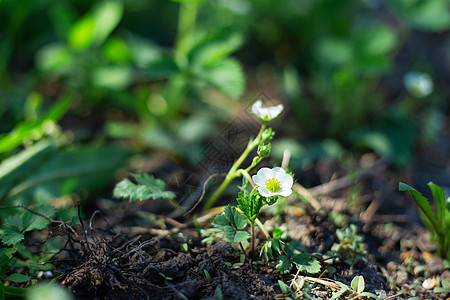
x: 84, y: 85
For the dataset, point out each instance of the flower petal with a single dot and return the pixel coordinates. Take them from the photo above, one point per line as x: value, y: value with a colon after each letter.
x: 265, y: 173
x: 285, y: 192
x: 286, y: 181
x: 258, y: 179
x: 265, y: 192
x: 266, y: 113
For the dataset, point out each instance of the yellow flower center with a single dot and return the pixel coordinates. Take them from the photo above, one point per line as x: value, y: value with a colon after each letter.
x: 273, y: 185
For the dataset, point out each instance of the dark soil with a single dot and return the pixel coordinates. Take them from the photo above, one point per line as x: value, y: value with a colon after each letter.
x: 146, y: 255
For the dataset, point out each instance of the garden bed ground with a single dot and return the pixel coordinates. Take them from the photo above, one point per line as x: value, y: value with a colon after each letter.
x: 133, y: 251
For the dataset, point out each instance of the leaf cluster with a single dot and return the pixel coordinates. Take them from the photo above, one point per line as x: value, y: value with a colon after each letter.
x: 356, y: 290
x: 250, y: 204
x: 436, y: 220
x: 232, y: 223
x: 286, y: 255
x: 350, y: 248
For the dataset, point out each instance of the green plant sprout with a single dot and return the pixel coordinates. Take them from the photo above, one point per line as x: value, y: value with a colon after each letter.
x: 265, y: 114
x: 437, y: 223
x: 356, y: 290
x: 350, y: 248
x: 268, y: 186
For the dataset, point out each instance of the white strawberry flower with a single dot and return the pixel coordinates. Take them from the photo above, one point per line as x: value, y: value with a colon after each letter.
x: 273, y: 182
x: 266, y: 113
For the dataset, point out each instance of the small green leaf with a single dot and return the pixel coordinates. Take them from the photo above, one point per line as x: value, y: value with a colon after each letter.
x: 16, y: 277
x: 284, y: 287
x: 307, y: 263
x: 241, y: 236
x: 358, y: 284
x: 230, y: 232
x: 221, y: 220
x: 338, y: 294
x: 147, y: 187
x: 236, y: 219
x: 283, y: 264
x: 370, y: 295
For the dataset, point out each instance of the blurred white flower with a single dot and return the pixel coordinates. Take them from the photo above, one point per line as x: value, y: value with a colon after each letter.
x: 48, y: 292
x: 266, y: 113
x: 429, y: 283
x: 418, y: 84
x: 273, y: 182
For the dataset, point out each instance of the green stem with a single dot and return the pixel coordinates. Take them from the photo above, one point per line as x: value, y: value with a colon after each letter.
x: 185, y: 31
x: 253, y: 240
x: 234, y: 172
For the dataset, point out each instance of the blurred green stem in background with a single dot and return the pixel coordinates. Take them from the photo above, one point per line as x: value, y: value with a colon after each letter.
x: 235, y: 171
x: 177, y: 86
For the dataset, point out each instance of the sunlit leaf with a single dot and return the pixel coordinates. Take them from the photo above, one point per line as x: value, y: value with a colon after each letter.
x: 227, y: 76
x: 358, y: 284
x: 241, y: 236
x: 54, y: 58
x: 307, y: 263
x: 215, y: 47
x: 107, y: 16
x: 112, y: 77
x: 81, y: 34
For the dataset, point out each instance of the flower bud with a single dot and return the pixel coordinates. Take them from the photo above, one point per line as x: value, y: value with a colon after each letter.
x: 264, y: 150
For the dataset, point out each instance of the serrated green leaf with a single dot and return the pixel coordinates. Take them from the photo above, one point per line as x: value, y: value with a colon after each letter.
x: 358, y: 284
x: 236, y: 219
x: 241, y: 236
x: 230, y: 232
x: 283, y: 264
x: 307, y: 263
x: 242, y: 201
x: 256, y: 204
x: 11, y: 235
x: 221, y: 220
x: 147, y: 187
x: 17, y: 277
x: 32, y: 221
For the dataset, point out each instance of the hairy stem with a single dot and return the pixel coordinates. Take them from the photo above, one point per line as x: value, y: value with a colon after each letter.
x: 234, y: 172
